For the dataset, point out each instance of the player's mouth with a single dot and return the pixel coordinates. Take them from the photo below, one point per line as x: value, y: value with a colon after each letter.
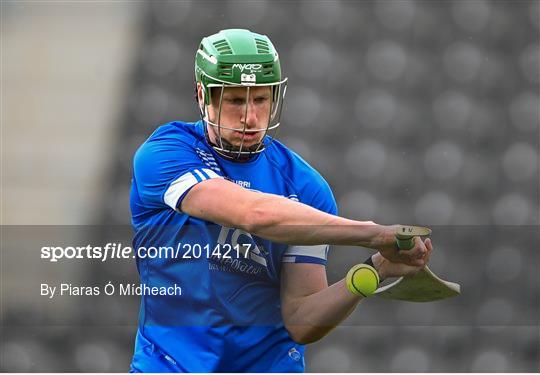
x: 248, y: 137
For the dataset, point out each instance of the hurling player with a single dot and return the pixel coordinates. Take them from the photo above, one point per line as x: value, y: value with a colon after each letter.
x: 252, y: 222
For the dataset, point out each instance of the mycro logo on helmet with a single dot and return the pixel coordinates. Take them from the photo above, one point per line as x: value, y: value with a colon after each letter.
x: 253, y: 68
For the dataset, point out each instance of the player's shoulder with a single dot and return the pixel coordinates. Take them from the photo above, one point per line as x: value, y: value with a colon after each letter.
x: 185, y: 132
x: 168, y: 143
x: 173, y: 135
x: 294, y: 168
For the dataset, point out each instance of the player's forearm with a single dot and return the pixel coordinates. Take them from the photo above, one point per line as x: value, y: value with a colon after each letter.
x: 285, y: 221
x: 310, y: 318
x: 277, y: 218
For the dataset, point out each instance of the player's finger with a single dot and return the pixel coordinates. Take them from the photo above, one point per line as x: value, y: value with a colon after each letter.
x: 419, y: 263
x: 419, y: 250
x: 418, y: 242
x: 411, y: 257
x: 415, y: 256
x: 429, y: 247
x: 413, y: 262
x: 429, y: 244
x: 407, y: 257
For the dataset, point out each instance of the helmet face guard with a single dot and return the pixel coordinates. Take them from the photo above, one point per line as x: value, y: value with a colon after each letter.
x: 239, y: 59
x: 243, y: 151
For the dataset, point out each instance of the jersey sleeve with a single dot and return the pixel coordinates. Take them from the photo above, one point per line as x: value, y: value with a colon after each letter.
x: 321, y: 199
x: 166, y: 169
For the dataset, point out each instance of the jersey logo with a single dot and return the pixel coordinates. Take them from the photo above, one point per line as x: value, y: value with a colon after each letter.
x: 244, y: 184
x: 295, y: 354
x: 255, y: 253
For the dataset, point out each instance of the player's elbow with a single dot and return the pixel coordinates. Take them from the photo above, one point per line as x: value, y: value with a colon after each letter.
x: 257, y: 216
x: 254, y: 221
x: 305, y: 334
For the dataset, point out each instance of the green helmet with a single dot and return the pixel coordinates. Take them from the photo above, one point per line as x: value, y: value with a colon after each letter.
x: 239, y: 58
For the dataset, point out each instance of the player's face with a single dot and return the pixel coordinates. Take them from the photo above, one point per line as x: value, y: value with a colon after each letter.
x: 249, y: 116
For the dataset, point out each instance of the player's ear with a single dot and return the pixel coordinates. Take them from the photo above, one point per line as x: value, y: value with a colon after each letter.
x: 196, y: 93
x: 200, y: 97
x: 199, y: 92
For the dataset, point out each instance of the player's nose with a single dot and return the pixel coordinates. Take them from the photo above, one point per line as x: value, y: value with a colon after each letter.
x: 250, y: 116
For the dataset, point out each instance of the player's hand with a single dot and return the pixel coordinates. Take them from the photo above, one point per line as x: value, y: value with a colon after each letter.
x: 387, y: 268
x: 389, y: 249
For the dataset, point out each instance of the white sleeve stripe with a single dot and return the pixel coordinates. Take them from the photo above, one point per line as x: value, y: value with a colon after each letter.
x: 211, y: 173
x: 183, y: 183
x: 201, y: 176
x: 288, y: 259
x: 318, y: 251
x: 177, y: 188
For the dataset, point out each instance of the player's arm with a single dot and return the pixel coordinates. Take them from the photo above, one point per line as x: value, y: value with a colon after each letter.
x: 311, y: 308
x: 285, y: 221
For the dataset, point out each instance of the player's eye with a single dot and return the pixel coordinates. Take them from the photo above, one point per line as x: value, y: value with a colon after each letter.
x: 261, y: 99
x: 235, y: 101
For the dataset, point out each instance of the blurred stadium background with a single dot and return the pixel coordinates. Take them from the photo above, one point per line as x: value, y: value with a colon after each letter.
x: 414, y: 111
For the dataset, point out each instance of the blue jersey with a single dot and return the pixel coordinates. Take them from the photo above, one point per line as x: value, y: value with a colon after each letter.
x: 226, y: 317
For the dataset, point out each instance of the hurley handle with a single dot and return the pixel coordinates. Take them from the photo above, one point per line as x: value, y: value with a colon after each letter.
x: 405, y: 235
